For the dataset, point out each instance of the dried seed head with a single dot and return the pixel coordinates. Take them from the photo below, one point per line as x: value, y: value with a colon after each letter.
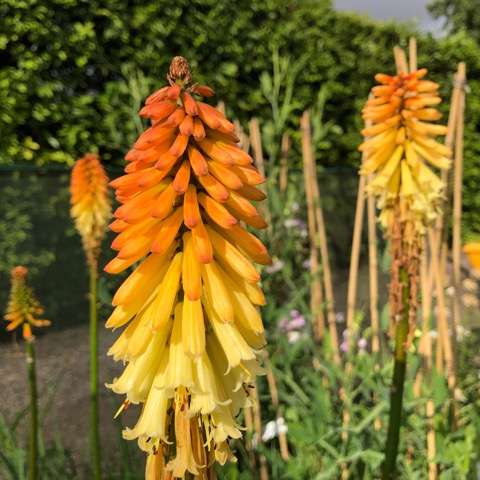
x: 180, y: 70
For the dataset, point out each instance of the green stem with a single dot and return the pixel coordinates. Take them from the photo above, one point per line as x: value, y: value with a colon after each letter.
x: 396, y: 393
x: 33, y: 438
x: 94, y: 417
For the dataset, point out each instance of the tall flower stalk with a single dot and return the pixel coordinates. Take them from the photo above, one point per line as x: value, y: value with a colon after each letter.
x: 91, y: 209
x: 23, y: 310
x: 399, y: 149
x: 193, y: 331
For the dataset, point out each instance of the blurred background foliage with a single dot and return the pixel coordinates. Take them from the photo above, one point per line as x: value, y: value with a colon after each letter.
x: 74, y: 73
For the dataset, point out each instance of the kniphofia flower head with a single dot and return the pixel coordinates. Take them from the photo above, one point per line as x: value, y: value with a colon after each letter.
x: 23, y: 308
x: 399, y: 147
x: 91, y: 205
x: 400, y: 151
x: 193, y: 329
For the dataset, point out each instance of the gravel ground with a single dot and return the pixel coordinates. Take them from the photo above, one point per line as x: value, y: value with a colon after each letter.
x: 62, y: 360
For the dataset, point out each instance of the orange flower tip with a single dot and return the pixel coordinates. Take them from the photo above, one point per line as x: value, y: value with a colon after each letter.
x: 227, y: 127
x: 27, y: 331
x: 259, y: 222
x: 190, y: 104
x: 157, y: 96
x: 383, y: 78
x: 179, y: 189
x: 263, y: 259
x: 191, y: 223
x: 174, y: 91
x: 204, y: 258
x: 204, y: 91
x: 116, y: 265
x: 193, y: 298
x: 420, y: 73
x: 144, y: 111
x: 19, y: 271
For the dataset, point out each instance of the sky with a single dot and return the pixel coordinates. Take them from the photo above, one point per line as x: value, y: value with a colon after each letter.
x: 403, y: 10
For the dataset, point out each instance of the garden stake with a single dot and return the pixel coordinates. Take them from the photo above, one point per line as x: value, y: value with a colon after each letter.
x: 457, y: 204
x: 355, y: 254
x: 91, y: 209
x: 286, y: 145
x: 257, y: 421
x: 313, y: 199
x: 244, y: 142
x: 272, y: 385
x: 412, y: 54
x: 373, y: 271
x: 256, y: 140
x: 442, y: 226
x: 373, y: 282
x: 316, y: 296
x: 23, y: 310
x: 250, y: 429
x: 322, y: 236
x: 444, y: 338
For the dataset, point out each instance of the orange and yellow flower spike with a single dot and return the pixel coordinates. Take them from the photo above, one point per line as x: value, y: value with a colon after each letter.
x: 193, y: 332
x: 23, y: 308
x: 91, y: 205
x: 399, y: 147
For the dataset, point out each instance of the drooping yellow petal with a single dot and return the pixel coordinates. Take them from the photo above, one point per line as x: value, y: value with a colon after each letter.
x: 165, y: 298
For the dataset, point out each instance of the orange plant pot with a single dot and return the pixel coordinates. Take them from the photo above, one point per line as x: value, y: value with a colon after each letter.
x: 472, y: 250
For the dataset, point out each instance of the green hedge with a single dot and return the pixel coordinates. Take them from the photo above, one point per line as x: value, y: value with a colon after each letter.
x: 74, y: 73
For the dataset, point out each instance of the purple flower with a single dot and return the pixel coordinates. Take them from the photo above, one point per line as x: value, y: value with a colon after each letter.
x: 295, y: 207
x: 344, y: 347
x: 298, y: 322
x: 362, y: 344
x: 340, y: 317
x: 307, y: 263
x: 294, y: 313
x: 276, y: 266
x: 345, y: 334
x: 293, y: 223
x: 282, y: 324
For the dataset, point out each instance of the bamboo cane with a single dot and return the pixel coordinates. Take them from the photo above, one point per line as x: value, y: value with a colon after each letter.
x: 373, y: 271
x: 318, y: 319
x: 221, y: 107
x: 373, y: 278
x: 256, y: 141
x: 257, y: 421
x: 250, y: 430
x: 244, y: 143
x: 355, y: 254
x: 412, y: 54
x: 286, y: 145
x: 320, y: 228
x: 400, y: 59
x: 272, y: 385
x: 255, y: 138
x: 444, y: 338
x: 457, y: 199
x: 442, y: 233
